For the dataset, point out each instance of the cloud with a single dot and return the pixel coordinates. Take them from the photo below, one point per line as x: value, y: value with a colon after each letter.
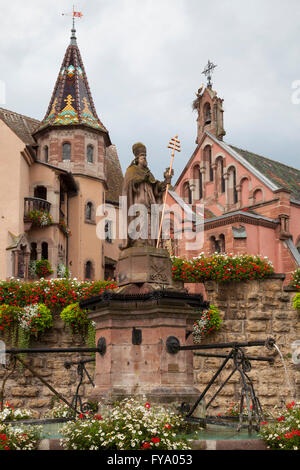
x: 144, y: 61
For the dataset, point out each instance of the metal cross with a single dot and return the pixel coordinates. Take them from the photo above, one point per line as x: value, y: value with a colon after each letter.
x: 208, y: 71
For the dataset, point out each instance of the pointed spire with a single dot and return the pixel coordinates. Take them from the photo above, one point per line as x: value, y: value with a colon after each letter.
x: 73, y: 32
x: 71, y: 102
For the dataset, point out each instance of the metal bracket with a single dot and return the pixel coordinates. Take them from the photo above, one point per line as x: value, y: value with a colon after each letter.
x: 101, y: 346
x: 173, y: 345
x: 136, y: 336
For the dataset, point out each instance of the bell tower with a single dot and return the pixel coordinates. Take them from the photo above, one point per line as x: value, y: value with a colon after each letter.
x: 209, y: 108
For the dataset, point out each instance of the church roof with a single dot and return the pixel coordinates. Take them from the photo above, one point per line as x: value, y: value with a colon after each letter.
x: 114, y: 175
x: 71, y: 102
x: 283, y: 176
x: 22, y: 126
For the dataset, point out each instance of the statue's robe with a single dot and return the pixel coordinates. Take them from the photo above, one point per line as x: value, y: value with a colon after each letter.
x: 141, y: 187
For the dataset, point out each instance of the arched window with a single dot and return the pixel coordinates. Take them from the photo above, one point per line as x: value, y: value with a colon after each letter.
x: 108, y: 231
x: 220, y: 175
x: 197, y: 179
x: 207, y: 157
x: 44, y: 250
x: 33, y: 251
x: 200, y: 185
x: 257, y: 196
x: 66, y: 151
x: 88, y: 270
x: 222, y: 243
x: 90, y: 153
x: 40, y: 192
x: 46, y: 154
x: 232, y: 191
x: 244, y: 184
x: 89, y: 211
x: 207, y: 113
x: 187, y: 193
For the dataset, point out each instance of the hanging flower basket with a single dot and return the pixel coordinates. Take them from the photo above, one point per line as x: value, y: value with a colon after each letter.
x: 209, y: 322
x: 64, y: 228
x: 39, y: 218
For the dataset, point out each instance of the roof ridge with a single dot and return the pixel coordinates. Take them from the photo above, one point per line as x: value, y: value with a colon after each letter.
x: 19, y: 114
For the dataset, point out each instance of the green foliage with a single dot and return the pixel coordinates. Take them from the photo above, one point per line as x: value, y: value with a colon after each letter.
x: 91, y: 335
x: 296, y: 302
x: 9, y: 322
x: 221, y: 268
x: 128, y: 425
x: 283, y: 433
x: 35, y: 319
x: 43, y: 268
x: 19, y: 437
x: 74, y: 317
x: 54, y: 293
x: 295, y: 278
x: 40, y: 218
x: 10, y: 413
x: 210, y: 321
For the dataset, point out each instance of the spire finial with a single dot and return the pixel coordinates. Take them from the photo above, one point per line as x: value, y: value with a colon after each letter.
x: 208, y: 71
x: 75, y: 14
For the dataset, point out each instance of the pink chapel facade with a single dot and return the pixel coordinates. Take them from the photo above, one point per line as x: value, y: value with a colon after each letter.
x: 251, y: 203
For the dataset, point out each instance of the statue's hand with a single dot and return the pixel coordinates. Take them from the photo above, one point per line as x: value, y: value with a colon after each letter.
x: 168, y: 179
x: 168, y: 176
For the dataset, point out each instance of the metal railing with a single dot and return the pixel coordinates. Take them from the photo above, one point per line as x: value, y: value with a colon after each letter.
x: 35, y: 203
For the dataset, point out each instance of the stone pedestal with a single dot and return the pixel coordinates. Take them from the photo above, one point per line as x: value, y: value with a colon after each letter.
x: 136, y: 361
x: 144, y: 265
x: 134, y: 322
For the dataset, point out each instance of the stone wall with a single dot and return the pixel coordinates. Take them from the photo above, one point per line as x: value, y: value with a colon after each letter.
x: 250, y: 310
x: 25, y: 391
x: 253, y: 310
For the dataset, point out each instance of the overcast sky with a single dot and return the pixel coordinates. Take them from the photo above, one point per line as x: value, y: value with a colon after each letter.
x: 144, y: 60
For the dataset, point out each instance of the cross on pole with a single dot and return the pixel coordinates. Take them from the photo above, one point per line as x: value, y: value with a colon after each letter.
x: 208, y: 72
x: 174, y: 145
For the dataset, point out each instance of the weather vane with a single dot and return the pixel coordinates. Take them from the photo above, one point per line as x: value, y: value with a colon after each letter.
x: 74, y: 14
x: 208, y: 71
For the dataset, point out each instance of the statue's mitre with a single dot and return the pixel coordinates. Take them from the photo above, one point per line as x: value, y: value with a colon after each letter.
x: 138, y: 148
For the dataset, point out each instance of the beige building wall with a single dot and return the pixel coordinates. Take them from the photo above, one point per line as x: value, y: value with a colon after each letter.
x: 84, y: 244
x: 14, y: 179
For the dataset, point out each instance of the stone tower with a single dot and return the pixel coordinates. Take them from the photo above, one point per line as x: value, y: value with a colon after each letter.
x: 72, y: 137
x: 210, y: 113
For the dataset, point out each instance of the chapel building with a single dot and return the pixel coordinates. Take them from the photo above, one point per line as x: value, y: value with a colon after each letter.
x: 64, y: 167
x: 251, y: 203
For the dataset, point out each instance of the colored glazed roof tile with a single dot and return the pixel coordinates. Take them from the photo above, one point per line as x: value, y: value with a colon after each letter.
x: 71, y: 102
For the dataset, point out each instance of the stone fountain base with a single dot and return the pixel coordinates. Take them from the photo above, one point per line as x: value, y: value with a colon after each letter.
x: 134, y: 322
x: 135, y: 328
